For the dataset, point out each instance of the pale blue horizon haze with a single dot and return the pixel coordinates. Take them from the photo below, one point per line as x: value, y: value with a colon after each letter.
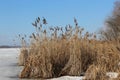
x: 16, y: 16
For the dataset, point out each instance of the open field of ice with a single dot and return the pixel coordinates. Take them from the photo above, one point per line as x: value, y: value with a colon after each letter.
x: 8, y: 64
x: 9, y: 69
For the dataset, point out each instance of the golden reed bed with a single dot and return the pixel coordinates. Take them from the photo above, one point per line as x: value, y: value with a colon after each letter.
x: 59, y: 52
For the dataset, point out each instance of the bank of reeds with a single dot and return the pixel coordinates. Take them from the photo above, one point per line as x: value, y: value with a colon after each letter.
x: 58, y: 52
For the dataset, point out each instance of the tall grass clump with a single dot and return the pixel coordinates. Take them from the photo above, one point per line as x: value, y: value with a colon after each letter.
x: 67, y: 51
x: 23, y: 51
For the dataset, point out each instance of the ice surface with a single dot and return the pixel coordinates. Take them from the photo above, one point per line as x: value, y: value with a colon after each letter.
x: 8, y: 64
x: 68, y: 78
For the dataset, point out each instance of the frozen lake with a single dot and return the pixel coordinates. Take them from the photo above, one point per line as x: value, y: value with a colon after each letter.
x: 8, y: 64
x: 9, y: 69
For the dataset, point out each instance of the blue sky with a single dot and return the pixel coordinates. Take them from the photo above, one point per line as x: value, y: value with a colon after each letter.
x: 16, y: 16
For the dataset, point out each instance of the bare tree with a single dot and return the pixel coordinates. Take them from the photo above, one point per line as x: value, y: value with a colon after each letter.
x: 112, y: 27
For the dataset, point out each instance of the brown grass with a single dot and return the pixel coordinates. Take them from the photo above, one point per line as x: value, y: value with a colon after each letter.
x: 23, y: 57
x: 70, y: 53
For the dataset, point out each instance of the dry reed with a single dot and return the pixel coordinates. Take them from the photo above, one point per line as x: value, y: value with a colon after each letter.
x: 69, y: 52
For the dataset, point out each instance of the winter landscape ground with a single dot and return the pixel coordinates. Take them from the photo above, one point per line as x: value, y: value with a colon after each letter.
x: 8, y: 64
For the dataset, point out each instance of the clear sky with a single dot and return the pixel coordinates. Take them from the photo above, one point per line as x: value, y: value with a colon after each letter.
x: 16, y: 16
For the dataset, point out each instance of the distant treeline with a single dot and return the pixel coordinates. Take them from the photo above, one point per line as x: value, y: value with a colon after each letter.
x: 6, y: 46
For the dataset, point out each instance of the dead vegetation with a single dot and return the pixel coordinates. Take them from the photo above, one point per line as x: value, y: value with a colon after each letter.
x: 23, y: 57
x: 58, y: 52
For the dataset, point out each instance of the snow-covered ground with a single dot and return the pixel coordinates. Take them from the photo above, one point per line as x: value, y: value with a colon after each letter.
x: 8, y: 64
x: 9, y: 70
